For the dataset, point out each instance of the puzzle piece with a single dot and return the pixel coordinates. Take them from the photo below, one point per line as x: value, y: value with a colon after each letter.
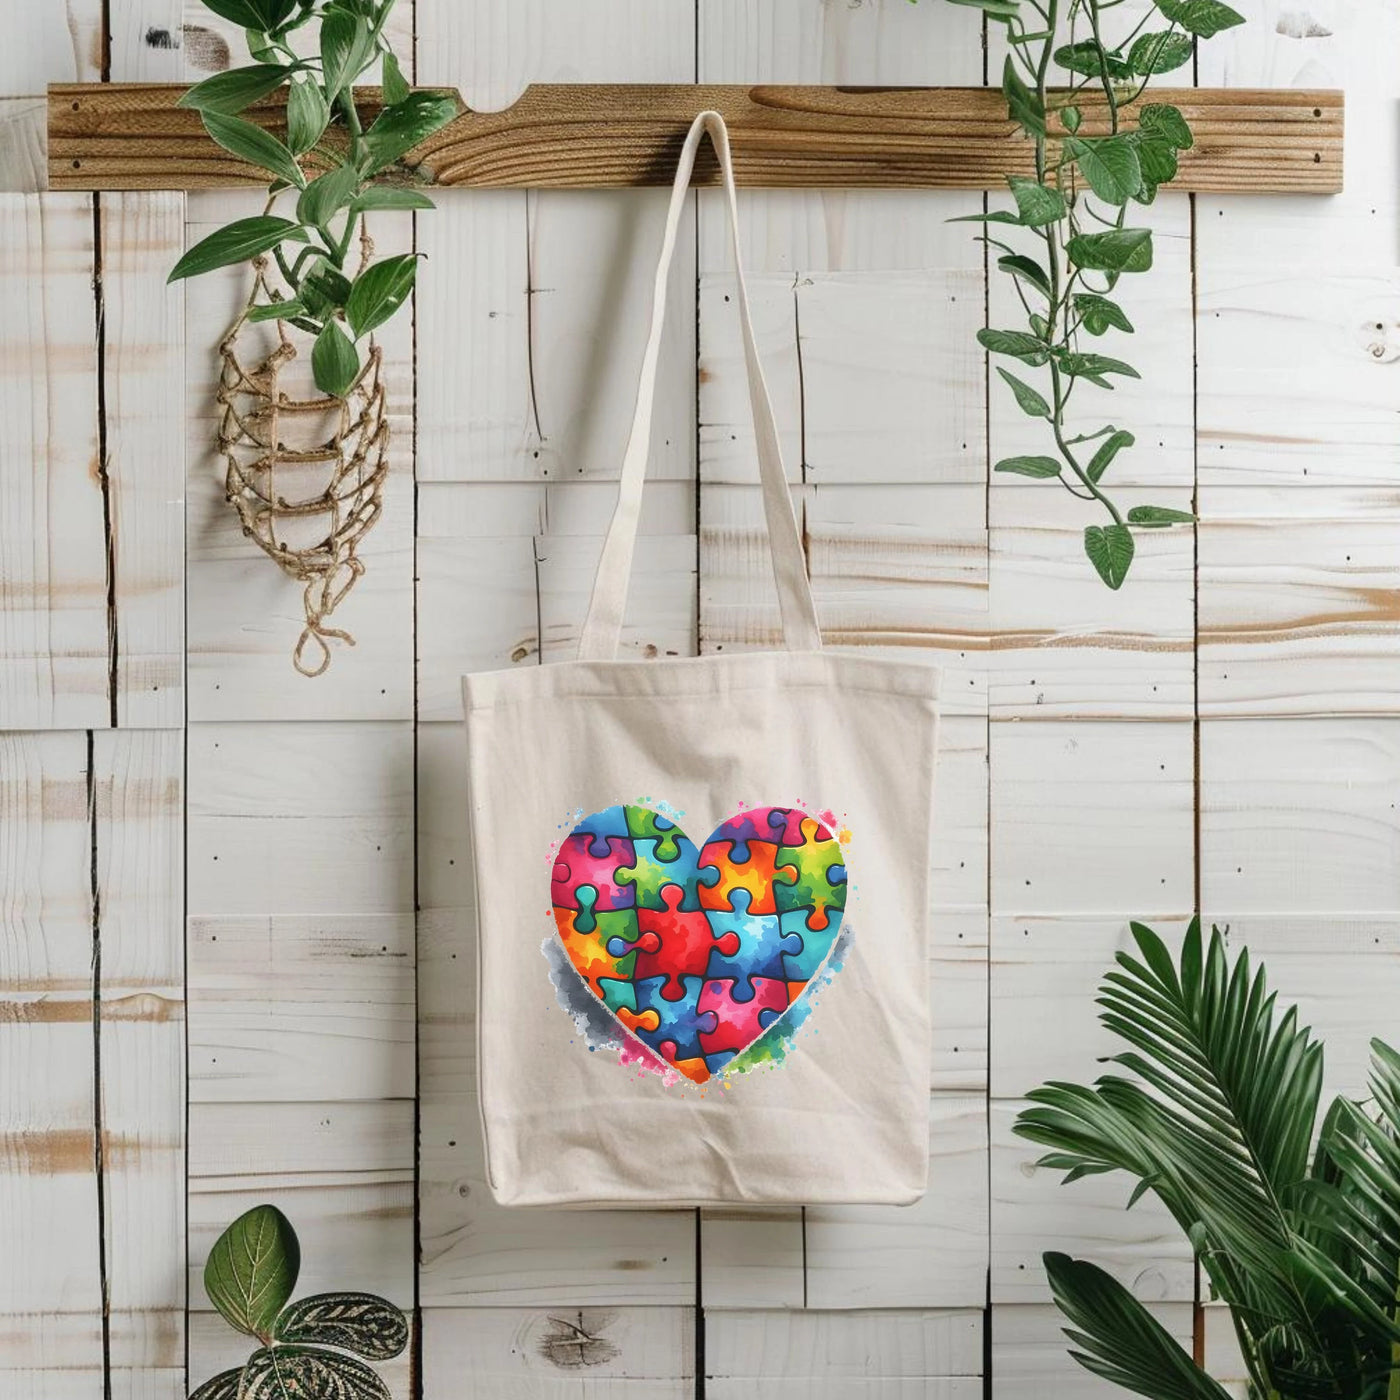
x: 756, y: 824
x: 643, y: 824
x: 680, y: 1020
x: 811, y: 876
x: 801, y: 964
x: 650, y: 874
x: 787, y: 826
x: 684, y: 940
x: 641, y: 1024
x: 739, y: 1023
x: 601, y: 827
x: 716, y: 1062
x: 634, y: 940
x: 586, y: 937
x: 757, y: 948
x: 755, y: 874
x: 618, y: 995
x: 577, y: 865
x: 694, y: 1069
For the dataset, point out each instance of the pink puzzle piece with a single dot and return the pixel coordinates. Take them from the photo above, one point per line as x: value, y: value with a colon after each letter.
x: 740, y: 1022
x: 576, y: 865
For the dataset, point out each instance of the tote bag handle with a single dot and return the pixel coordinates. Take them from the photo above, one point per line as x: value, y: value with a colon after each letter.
x: 603, y: 626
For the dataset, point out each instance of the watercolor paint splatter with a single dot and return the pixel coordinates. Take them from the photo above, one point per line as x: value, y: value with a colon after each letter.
x: 694, y: 963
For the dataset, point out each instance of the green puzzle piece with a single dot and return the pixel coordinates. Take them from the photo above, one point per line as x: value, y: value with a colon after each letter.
x: 652, y: 872
x: 802, y: 876
x: 645, y: 825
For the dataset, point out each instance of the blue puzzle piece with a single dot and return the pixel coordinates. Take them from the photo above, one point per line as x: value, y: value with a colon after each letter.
x: 762, y: 944
x: 611, y: 821
x: 801, y: 964
x: 717, y: 1061
x: 678, y: 1021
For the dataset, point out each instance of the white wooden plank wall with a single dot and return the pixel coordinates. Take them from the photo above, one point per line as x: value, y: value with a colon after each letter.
x: 1224, y: 732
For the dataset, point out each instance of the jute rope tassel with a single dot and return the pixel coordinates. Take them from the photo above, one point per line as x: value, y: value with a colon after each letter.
x: 306, y: 475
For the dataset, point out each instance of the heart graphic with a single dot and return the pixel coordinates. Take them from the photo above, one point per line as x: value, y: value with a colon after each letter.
x: 698, y: 953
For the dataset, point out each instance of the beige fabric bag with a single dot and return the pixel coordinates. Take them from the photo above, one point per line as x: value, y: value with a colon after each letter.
x: 702, y: 892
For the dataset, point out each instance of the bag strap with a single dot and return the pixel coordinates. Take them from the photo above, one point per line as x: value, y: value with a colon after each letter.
x: 602, y: 628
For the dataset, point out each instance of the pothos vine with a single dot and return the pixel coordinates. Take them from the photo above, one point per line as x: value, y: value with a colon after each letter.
x: 1092, y: 164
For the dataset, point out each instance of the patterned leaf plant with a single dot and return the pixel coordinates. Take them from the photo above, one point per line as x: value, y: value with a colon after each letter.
x: 341, y: 163
x: 301, y: 1355
x: 1072, y: 93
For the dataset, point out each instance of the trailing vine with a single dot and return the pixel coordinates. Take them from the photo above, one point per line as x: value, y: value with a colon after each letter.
x: 1098, y: 151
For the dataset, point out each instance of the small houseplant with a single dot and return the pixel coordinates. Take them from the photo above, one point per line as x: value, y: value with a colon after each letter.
x: 306, y: 456
x: 302, y: 1346
x: 1296, y: 1225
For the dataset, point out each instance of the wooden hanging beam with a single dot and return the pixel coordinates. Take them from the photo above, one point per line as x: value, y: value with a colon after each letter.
x: 128, y: 136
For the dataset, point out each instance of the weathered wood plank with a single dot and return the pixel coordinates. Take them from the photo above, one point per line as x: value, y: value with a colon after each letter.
x: 569, y: 136
x: 559, y: 1353
x: 143, y: 321
x: 53, y: 592
x: 51, y: 1333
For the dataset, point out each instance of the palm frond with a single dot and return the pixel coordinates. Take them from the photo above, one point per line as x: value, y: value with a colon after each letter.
x: 1115, y: 1337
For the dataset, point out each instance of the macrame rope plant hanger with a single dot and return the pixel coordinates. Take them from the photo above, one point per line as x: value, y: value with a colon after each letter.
x: 305, y: 474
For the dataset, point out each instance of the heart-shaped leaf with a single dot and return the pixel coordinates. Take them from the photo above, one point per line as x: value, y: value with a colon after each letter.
x: 1109, y: 163
x: 1203, y: 18
x: 1159, y: 52
x: 1163, y: 120
x: 233, y: 90
x: 304, y: 1373
x: 1087, y: 58
x: 1110, y: 551
x: 1117, y: 250
x: 1099, y: 314
x: 1028, y: 270
x: 252, y: 1269
x: 1037, y: 204
x: 241, y: 240
x: 360, y: 1322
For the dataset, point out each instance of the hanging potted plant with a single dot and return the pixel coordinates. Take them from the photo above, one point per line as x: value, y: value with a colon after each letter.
x: 302, y: 398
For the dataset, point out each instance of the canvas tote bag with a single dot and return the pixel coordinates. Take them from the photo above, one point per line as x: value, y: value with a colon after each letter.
x: 702, y: 889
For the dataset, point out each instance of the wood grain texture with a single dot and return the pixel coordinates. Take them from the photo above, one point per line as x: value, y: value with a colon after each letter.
x: 604, y: 135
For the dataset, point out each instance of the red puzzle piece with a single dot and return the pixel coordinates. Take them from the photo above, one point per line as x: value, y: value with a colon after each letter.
x: 684, y: 942
x: 576, y: 865
x: 740, y: 1022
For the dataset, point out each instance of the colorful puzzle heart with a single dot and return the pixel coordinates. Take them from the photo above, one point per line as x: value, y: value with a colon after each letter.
x: 698, y: 953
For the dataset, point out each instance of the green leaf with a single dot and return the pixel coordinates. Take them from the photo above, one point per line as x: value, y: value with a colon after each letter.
x: 1157, y: 160
x: 1028, y: 270
x: 1079, y: 365
x: 247, y: 14
x: 307, y: 115
x: 1029, y: 399
x: 1202, y: 18
x: 1110, y: 551
x: 231, y: 91
x: 1108, y: 450
x: 334, y: 361
x: 1023, y: 106
x: 396, y: 88
x: 1109, y: 163
x: 390, y: 197
x: 241, y: 240
x: 1159, y: 52
x: 398, y: 130
x: 1163, y: 120
x: 324, y: 289
x: 1029, y: 466
x: 1085, y: 57
x: 1159, y: 515
x: 996, y: 216
x: 326, y: 195
x: 346, y: 47
x: 1027, y: 348
x: 251, y: 143
x: 1115, y: 1337
x: 1070, y: 117
x: 1098, y: 314
x: 252, y: 1269
x: 224, y: 1386
x: 379, y: 291
x: 1117, y: 250
x: 1037, y: 204
x: 309, y: 1374
x: 275, y: 311
x: 360, y: 1322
